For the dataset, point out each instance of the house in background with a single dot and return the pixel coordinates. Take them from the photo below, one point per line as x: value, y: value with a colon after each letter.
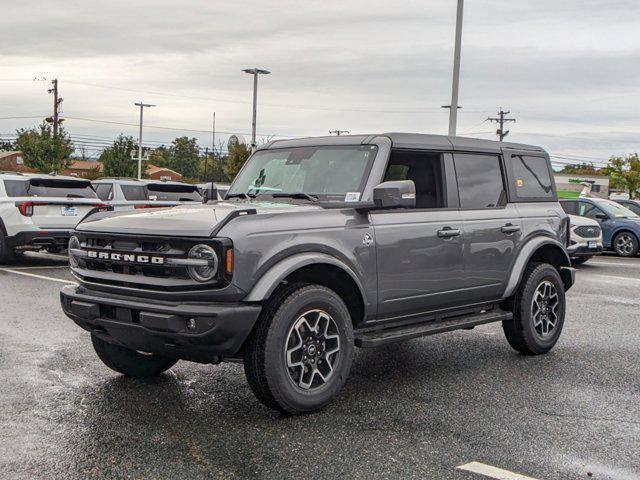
x: 163, y: 174
x: 13, y: 162
x: 84, y: 169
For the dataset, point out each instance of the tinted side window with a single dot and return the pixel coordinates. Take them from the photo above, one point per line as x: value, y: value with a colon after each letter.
x: 531, y: 176
x: 480, y: 183
x: 134, y: 192
x: 570, y: 208
x: 635, y: 208
x: 424, y: 169
x: 103, y: 190
x: 16, y: 188
x: 586, y: 209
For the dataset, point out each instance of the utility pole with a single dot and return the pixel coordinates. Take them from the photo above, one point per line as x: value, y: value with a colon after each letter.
x: 501, y: 119
x: 255, y: 72
x: 453, y: 107
x: 338, y: 132
x: 141, y: 105
x: 55, y: 119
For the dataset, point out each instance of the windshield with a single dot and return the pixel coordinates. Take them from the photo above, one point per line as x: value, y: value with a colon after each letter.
x: 328, y: 173
x: 615, y: 209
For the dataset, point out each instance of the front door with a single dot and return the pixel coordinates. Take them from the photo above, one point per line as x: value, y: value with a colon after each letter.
x: 419, y: 250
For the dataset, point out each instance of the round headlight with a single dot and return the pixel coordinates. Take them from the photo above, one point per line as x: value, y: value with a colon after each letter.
x: 205, y: 272
x: 74, y: 244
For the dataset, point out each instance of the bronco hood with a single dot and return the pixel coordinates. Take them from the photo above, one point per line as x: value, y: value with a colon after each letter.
x: 183, y: 220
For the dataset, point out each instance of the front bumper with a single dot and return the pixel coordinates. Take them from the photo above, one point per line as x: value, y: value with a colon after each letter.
x: 152, y: 326
x: 584, y: 251
x: 39, y: 239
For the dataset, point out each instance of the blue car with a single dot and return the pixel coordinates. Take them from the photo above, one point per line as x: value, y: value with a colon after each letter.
x: 620, y: 226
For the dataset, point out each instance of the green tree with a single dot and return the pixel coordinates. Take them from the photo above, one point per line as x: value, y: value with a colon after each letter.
x: 160, y: 157
x: 44, y: 151
x: 116, y: 159
x: 625, y: 173
x: 185, y: 157
x: 238, y: 154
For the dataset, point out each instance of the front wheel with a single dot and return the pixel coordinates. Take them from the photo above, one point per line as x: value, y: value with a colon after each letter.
x: 625, y: 244
x: 538, y: 311
x: 130, y: 362
x: 300, y: 353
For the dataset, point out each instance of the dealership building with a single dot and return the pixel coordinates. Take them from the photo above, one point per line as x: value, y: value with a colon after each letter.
x: 571, y: 184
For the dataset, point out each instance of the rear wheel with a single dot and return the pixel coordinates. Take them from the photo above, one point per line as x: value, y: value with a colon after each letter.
x: 538, y: 311
x: 625, y: 244
x: 130, y: 362
x: 299, y: 356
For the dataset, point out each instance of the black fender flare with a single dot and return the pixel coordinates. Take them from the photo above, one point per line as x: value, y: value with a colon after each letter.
x: 525, y: 254
x: 270, y: 280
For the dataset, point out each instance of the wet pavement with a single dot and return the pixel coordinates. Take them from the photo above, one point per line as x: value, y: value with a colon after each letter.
x: 416, y: 409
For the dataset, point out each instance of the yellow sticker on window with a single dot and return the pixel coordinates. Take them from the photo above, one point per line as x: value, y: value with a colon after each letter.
x: 520, y: 182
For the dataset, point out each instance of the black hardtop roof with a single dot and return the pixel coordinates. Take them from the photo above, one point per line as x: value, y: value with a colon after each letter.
x: 408, y: 140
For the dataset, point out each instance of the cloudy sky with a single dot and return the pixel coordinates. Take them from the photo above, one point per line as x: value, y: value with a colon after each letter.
x: 568, y: 70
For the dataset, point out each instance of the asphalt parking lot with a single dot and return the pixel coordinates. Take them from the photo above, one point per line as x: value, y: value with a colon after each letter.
x: 419, y: 409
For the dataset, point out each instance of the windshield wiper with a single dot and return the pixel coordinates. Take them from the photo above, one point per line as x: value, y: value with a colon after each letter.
x: 306, y: 196
x: 247, y: 196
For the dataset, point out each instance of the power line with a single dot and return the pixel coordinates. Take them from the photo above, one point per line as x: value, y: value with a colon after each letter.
x: 338, y: 132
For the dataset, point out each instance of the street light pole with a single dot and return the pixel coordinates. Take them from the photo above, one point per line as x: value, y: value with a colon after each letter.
x: 453, y: 107
x: 141, y: 105
x: 255, y: 72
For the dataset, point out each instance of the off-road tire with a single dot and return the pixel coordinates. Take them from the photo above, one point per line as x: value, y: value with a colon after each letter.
x: 632, y: 251
x: 264, y: 360
x: 579, y: 260
x: 520, y: 331
x: 129, y: 362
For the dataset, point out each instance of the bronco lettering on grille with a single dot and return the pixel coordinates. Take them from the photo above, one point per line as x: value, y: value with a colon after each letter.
x: 125, y: 257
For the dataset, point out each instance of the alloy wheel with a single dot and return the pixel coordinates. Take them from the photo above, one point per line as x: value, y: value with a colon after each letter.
x: 544, y: 308
x: 312, y: 349
x: 624, y: 244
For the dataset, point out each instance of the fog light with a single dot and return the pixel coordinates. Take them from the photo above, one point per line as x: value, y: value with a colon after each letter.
x: 191, y: 324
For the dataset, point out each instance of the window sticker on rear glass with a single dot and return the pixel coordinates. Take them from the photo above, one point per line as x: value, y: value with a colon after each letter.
x: 520, y: 182
x: 352, y: 197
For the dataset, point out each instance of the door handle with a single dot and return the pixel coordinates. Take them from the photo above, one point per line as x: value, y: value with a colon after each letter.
x: 448, y: 232
x: 509, y: 229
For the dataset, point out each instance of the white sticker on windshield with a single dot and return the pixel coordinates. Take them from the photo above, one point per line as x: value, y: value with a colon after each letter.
x: 352, y: 197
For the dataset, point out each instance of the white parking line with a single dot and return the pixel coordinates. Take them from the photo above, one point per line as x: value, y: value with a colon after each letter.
x: 42, y: 277
x: 595, y: 276
x: 492, y: 472
x: 615, y: 264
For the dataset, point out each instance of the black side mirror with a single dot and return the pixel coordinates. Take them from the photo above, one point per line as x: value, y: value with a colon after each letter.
x: 396, y: 194
x: 602, y: 216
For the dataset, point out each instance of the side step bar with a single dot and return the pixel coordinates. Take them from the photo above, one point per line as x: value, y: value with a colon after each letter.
x: 382, y: 337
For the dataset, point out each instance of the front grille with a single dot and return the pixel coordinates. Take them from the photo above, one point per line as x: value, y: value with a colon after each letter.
x: 586, y: 231
x: 133, y: 274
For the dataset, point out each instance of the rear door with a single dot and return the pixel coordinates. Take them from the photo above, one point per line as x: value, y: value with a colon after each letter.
x: 492, y: 227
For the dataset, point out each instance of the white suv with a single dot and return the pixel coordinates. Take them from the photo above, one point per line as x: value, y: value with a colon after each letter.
x: 124, y: 194
x: 585, y: 239
x: 37, y: 212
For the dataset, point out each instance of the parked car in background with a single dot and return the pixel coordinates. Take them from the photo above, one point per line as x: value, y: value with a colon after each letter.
x: 585, y: 239
x: 206, y: 189
x: 176, y: 192
x: 38, y: 212
x: 633, y: 205
x: 620, y: 226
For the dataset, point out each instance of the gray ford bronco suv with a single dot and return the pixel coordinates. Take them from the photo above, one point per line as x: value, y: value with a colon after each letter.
x: 326, y: 244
